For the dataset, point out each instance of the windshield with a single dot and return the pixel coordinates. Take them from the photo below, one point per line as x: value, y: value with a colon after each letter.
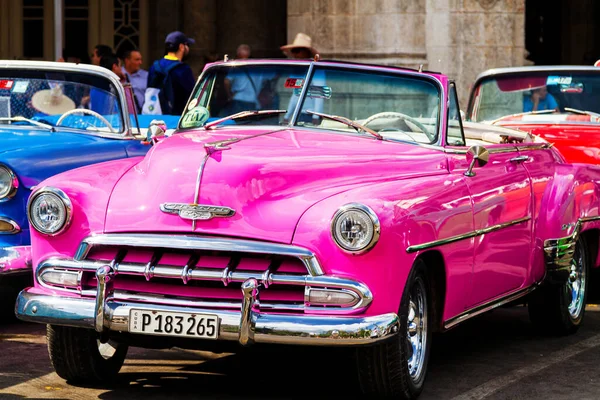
x: 551, y: 96
x: 228, y: 90
x: 394, y: 106
x: 50, y: 99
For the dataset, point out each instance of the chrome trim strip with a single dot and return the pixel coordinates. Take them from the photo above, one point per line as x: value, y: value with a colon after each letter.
x: 363, y: 293
x: 269, y: 328
x: 15, y: 227
x: 198, y: 182
x: 185, y: 242
x: 452, y: 239
x: 14, y: 183
x: 490, y: 305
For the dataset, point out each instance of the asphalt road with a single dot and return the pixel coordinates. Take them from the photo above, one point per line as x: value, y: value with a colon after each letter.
x: 495, y: 356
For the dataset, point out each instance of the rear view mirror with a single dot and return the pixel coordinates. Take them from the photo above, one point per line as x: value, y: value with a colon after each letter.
x: 156, y: 130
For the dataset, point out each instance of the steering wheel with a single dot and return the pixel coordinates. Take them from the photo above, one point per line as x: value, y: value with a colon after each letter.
x: 89, y: 112
x: 406, y: 118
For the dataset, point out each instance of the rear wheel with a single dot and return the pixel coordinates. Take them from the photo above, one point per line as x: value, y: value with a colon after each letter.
x: 397, y: 368
x: 77, y: 355
x: 559, y: 309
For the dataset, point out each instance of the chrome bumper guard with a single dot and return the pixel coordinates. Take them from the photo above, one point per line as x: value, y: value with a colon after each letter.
x: 246, y: 326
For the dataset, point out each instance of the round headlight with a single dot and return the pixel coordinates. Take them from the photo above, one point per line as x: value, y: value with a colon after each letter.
x: 8, y: 182
x: 49, y: 211
x: 355, y: 228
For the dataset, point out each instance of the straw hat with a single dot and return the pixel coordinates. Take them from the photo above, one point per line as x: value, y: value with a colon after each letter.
x: 302, y: 40
x: 52, y: 101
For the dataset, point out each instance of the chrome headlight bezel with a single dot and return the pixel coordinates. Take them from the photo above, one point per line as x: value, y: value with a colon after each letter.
x: 66, y: 203
x: 14, y: 184
x: 370, y: 216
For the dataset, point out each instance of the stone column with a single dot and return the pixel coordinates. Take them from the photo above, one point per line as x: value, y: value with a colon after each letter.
x: 390, y: 32
x: 466, y: 37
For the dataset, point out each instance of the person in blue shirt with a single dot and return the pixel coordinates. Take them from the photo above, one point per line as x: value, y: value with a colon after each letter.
x: 181, y: 75
x: 539, y: 100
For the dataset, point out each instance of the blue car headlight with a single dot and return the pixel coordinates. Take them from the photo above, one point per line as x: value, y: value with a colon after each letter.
x: 8, y: 183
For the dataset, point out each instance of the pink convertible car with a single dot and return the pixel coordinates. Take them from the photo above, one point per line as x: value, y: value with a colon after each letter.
x: 310, y: 203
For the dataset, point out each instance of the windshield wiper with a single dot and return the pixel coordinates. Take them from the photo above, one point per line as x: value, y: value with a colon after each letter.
x: 242, y: 114
x: 19, y: 118
x: 582, y: 112
x: 523, y: 113
x: 346, y: 121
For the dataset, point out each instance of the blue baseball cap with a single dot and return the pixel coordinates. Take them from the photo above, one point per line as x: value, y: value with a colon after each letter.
x: 178, y: 37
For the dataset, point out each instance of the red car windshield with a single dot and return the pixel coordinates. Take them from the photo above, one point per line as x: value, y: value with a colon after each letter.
x: 541, y: 96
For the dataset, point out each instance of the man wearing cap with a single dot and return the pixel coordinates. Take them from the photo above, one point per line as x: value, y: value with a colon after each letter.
x: 181, y: 76
x: 302, y: 48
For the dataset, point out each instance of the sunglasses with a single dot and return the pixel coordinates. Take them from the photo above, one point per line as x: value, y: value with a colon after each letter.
x: 297, y: 50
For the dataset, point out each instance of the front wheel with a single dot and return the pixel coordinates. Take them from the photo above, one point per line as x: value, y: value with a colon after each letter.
x: 78, y: 356
x: 559, y: 309
x: 397, y: 368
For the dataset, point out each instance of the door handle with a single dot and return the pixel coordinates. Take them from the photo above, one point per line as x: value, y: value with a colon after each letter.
x: 519, y: 159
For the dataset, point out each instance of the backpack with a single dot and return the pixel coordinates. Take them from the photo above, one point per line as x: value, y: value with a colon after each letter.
x: 159, y: 97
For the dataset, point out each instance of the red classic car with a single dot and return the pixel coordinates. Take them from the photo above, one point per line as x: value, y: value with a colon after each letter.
x: 558, y: 103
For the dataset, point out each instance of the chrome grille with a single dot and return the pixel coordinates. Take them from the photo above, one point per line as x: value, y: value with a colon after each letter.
x: 209, y: 272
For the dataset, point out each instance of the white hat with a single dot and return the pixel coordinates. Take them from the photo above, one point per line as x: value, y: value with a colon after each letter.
x: 302, y: 40
x: 52, y: 101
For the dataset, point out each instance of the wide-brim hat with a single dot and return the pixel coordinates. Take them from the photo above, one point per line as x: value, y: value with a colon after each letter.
x: 51, y: 103
x: 301, y: 40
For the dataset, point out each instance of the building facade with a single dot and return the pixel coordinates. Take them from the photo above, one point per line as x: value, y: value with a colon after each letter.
x: 458, y: 37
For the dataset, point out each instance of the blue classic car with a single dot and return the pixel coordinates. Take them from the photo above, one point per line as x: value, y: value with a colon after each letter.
x: 54, y: 117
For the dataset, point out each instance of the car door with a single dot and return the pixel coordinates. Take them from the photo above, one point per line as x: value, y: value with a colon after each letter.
x: 502, y: 210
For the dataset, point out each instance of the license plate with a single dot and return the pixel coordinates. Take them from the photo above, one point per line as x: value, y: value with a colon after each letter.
x: 166, y: 323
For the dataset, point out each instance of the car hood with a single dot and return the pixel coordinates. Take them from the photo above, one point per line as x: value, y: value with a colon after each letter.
x: 23, y: 139
x: 269, y: 180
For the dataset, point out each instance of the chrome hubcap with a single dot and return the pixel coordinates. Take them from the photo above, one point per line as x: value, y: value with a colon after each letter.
x: 576, y: 285
x: 416, y: 329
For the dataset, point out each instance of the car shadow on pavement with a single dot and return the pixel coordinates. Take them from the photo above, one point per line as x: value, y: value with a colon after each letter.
x: 256, y: 373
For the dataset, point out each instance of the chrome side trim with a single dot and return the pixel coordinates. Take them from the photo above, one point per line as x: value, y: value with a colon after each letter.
x: 323, y: 330
x: 452, y: 239
x: 185, y: 242
x: 559, y: 253
x: 15, y: 227
x: 361, y: 291
x: 475, y: 311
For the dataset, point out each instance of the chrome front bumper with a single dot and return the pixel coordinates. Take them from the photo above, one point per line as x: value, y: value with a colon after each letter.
x: 16, y: 259
x: 246, y: 326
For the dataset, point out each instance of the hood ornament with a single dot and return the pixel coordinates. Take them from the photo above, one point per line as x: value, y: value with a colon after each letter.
x: 196, y: 212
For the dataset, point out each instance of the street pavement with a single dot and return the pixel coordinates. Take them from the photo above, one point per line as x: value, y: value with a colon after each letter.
x: 495, y: 356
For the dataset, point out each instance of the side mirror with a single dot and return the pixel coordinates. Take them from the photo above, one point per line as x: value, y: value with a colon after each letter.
x: 156, y: 130
x: 476, y: 156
